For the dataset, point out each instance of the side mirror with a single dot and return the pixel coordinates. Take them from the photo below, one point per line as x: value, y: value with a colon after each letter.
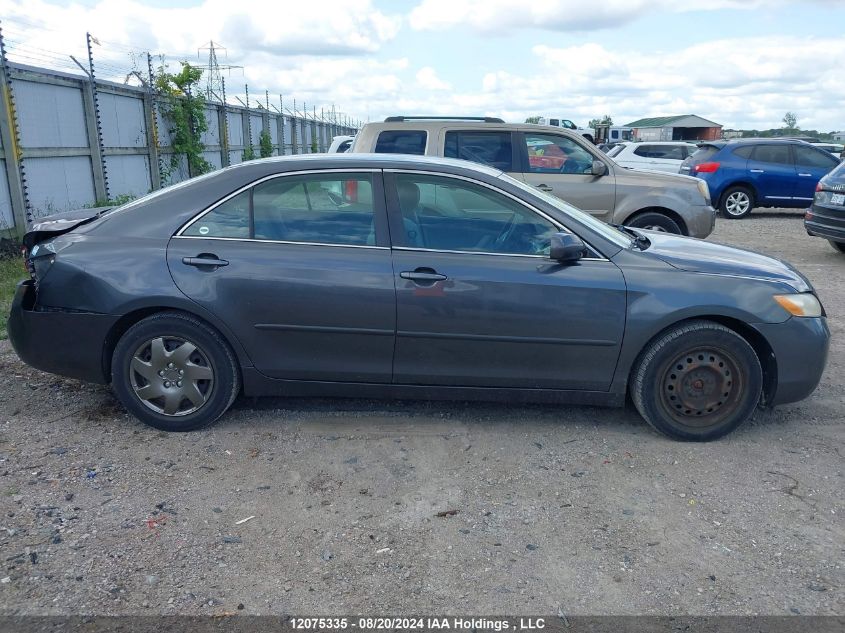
x: 599, y: 168
x: 566, y: 247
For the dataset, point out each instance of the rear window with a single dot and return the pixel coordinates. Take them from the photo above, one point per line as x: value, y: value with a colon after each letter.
x: 401, y: 142
x: 674, y: 152
x: 704, y: 153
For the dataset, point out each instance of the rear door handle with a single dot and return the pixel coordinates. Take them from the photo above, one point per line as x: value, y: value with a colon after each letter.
x: 545, y: 188
x: 807, y: 175
x: 204, y: 261
x: 422, y: 275
x: 756, y: 171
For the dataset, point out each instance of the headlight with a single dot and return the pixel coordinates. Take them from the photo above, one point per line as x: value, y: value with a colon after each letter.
x: 804, y: 304
x: 705, y: 190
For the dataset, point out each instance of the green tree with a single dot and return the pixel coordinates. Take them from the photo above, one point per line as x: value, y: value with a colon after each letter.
x: 183, y: 110
x: 265, y: 144
x: 605, y: 120
x: 790, y: 119
x: 533, y: 119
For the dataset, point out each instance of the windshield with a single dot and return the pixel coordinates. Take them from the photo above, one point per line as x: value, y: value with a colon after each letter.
x: 613, y: 151
x: 605, y: 230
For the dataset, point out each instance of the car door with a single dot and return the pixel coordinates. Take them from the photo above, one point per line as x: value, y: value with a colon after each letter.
x: 298, y: 266
x: 558, y: 164
x: 480, y: 304
x: 771, y: 170
x: 811, y: 164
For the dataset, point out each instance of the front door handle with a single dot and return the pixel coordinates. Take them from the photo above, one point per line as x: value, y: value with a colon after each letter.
x: 205, y: 260
x: 805, y: 175
x: 756, y: 171
x: 422, y: 274
x: 545, y: 188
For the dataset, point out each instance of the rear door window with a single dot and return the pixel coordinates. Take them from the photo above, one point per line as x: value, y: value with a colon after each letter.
x: 744, y: 152
x: 776, y: 154
x: 401, y: 142
x: 488, y: 148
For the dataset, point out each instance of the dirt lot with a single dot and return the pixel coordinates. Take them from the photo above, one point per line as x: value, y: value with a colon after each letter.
x: 375, y: 507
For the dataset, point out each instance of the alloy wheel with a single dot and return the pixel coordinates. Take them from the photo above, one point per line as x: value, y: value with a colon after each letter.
x: 171, y: 375
x: 737, y: 203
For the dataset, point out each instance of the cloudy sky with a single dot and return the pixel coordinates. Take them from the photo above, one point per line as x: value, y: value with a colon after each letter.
x: 742, y: 63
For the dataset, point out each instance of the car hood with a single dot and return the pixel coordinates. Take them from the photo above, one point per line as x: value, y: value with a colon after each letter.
x: 660, y: 178
x: 685, y: 253
x: 58, y: 223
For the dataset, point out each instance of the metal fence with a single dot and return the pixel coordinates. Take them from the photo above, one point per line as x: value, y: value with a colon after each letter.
x: 70, y: 140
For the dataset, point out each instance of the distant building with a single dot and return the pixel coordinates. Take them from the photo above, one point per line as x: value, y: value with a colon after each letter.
x: 684, y: 127
x: 839, y: 136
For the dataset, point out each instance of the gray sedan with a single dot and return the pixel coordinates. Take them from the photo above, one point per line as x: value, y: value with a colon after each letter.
x: 407, y: 277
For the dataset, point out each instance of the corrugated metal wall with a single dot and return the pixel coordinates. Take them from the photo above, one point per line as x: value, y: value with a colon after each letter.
x: 58, y: 130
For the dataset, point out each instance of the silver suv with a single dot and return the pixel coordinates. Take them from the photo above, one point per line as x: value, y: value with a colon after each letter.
x: 554, y: 160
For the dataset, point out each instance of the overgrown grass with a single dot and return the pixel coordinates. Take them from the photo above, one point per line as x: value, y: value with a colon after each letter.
x: 11, y: 272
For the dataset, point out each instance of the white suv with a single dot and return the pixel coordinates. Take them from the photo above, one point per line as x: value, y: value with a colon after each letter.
x: 660, y: 156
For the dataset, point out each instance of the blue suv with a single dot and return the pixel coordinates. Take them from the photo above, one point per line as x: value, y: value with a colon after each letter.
x: 747, y: 173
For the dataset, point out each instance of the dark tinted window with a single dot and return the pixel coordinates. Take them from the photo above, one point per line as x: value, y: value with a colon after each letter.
x: 744, y: 152
x: 704, y: 153
x: 674, y: 152
x: 455, y: 215
x: 401, y: 142
x: 810, y: 157
x: 228, y: 219
x: 772, y: 154
x: 487, y: 148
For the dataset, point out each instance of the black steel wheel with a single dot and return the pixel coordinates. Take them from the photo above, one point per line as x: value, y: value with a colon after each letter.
x: 697, y: 382
x: 174, y: 372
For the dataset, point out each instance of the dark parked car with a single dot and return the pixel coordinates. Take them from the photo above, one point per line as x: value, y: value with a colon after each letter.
x: 408, y: 277
x: 826, y: 218
x: 746, y: 173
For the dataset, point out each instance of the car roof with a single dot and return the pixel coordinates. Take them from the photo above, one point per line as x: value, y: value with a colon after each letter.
x: 356, y: 161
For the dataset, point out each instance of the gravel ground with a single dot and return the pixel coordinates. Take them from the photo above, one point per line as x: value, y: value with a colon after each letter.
x: 385, y: 507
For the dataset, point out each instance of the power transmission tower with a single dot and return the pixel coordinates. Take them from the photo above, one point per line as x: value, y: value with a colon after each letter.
x: 213, y: 77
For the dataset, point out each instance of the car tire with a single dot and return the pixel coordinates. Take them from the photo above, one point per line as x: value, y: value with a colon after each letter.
x: 697, y: 381
x: 736, y: 202
x: 656, y: 222
x: 839, y: 246
x: 174, y: 372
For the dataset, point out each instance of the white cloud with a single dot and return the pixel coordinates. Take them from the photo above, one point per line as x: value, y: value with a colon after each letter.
x: 492, y: 16
x: 428, y: 80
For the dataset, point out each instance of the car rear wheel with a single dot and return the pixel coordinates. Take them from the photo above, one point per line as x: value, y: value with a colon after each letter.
x: 839, y: 246
x: 697, y: 382
x: 174, y: 372
x: 736, y: 203
x: 655, y: 222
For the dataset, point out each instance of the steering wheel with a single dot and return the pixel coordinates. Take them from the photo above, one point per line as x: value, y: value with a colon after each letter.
x: 336, y: 199
x: 572, y: 166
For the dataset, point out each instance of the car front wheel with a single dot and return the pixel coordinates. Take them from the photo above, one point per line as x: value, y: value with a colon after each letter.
x: 174, y: 372
x: 697, y: 382
x: 655, y: 222
x: 839, y: 246
x: 737, y: 202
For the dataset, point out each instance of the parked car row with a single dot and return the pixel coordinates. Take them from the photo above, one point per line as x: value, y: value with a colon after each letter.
x: 555, y: 160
